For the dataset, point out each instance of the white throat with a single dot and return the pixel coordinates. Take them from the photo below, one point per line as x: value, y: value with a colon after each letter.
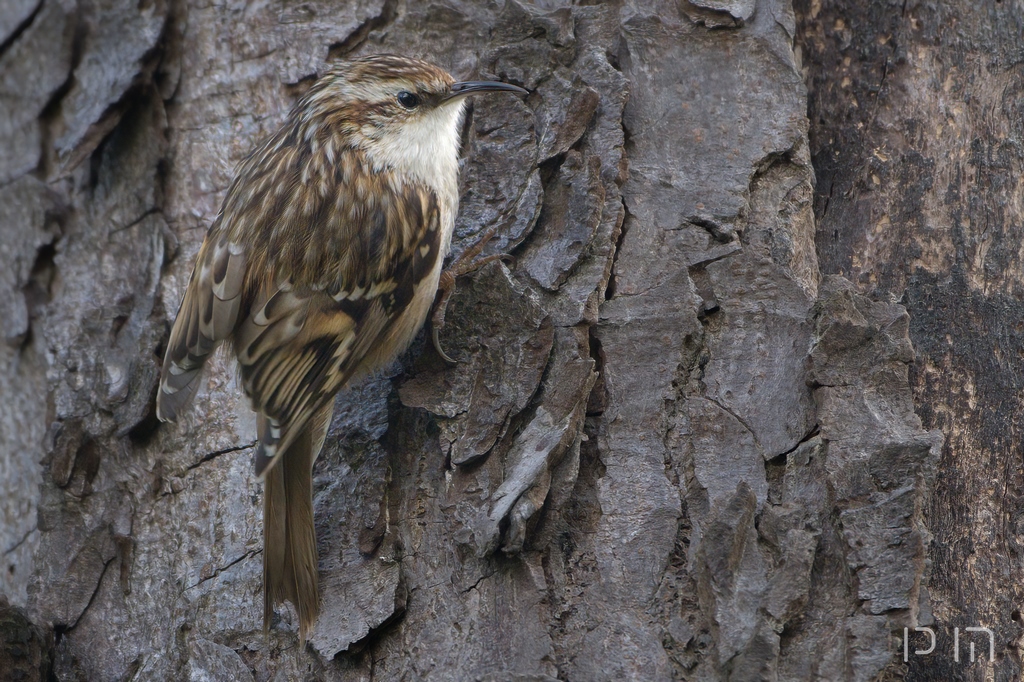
x: 426, y: 147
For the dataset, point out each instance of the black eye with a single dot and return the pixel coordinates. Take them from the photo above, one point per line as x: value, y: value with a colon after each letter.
x: 408, y: 100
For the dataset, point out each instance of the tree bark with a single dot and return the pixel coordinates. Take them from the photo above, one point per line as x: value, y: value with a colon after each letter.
x: 680, y: 441
x: 916, y: 130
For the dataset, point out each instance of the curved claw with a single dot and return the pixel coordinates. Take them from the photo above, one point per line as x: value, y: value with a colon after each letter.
x: 437, y: 346
x: 464, y: 265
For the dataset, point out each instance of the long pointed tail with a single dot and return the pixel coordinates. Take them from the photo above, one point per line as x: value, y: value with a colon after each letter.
x: 289, y: 537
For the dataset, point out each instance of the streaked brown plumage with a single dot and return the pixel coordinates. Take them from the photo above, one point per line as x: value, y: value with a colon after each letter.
x: 320, y: 268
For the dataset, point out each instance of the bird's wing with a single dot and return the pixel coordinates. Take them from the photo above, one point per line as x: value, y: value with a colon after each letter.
x: 314, y: 257
x: 364, y: 253
x: 208, y: 314
x: 217, y: 292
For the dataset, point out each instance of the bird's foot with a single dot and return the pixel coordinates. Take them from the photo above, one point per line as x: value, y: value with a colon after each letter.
x: 465, y: 264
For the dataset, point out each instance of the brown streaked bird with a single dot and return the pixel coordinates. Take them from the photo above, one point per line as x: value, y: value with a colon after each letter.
x: 320, y: 268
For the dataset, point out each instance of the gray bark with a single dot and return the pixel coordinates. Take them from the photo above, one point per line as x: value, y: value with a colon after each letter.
x: 675, y: 445
x: 917, y: 130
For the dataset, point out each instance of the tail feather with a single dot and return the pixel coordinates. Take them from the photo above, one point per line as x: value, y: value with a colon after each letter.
x: 289, y: 536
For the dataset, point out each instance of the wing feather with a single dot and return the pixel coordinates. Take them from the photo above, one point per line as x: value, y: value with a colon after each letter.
x: 208, y: 314
x: 308, y: 277
x: 311, y: 338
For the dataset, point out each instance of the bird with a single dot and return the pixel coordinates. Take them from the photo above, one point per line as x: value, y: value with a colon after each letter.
x: 320, y: 268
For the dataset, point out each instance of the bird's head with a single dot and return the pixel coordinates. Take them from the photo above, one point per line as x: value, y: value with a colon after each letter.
x: 403, y: 112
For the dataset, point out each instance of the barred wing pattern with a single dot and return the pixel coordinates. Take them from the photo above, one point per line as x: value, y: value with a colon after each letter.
x: 313, y: 259
x: 304, y: 342
x: 208, y: 314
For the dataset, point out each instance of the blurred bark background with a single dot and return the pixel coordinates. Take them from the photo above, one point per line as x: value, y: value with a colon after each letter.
x: 694, y: 432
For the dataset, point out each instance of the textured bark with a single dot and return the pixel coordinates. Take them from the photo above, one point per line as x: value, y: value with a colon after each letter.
x: 674, y: 446
x: 916, y: 135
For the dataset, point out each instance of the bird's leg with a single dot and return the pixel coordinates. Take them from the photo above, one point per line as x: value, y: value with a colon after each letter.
x: 463, y: 265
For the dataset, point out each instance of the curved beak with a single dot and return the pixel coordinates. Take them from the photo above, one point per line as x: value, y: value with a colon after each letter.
x: 469, y: 87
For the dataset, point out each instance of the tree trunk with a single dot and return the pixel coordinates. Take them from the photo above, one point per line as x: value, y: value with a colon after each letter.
x: 917, y: 137
x: 678, y: 444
